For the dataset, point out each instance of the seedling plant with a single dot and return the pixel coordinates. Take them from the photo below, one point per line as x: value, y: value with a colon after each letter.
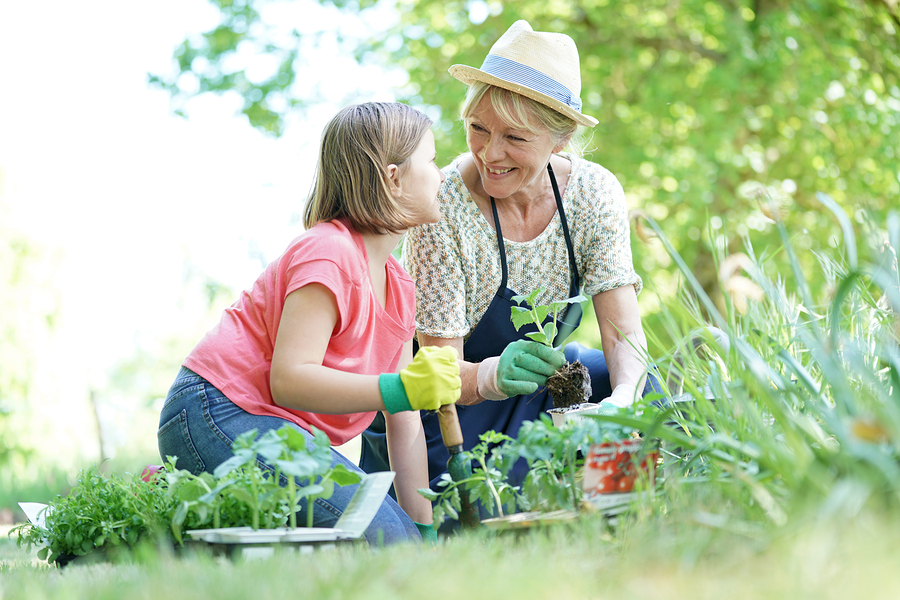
x: 101, y: 514
x: 571, y: 384
x: 535, y: 314
x: 554, y: 456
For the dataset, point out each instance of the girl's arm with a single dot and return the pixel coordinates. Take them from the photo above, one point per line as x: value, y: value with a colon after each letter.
x: 409, y: 456
x: 298, y: 379
x: 622, y: 336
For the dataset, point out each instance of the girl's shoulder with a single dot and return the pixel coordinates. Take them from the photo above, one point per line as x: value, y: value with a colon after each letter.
x: 334, y: 241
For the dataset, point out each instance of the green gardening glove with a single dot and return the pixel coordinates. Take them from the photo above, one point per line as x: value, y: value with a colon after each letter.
x: 429, y: 382
x: 525, y: 365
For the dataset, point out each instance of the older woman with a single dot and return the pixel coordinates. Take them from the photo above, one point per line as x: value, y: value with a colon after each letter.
x: 520, y: 215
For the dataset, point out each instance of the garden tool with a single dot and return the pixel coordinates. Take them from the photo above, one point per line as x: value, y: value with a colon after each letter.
x: 459, y: 468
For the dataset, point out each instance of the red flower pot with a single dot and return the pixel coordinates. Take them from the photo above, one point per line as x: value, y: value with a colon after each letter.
x: 613, y: 467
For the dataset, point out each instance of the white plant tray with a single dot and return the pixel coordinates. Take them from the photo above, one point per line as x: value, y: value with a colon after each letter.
x: 573, y: 413
x: 247, y: 535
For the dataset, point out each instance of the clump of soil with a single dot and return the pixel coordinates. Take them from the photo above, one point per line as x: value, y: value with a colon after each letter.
x: 571, y: 384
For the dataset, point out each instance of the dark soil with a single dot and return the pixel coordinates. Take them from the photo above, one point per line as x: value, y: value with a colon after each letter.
x: 571, y: 384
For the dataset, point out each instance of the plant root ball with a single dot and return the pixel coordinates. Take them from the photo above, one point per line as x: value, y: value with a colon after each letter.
x: 571, y: 384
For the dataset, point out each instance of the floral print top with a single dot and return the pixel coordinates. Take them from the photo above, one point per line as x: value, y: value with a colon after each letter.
x: 455, y: 263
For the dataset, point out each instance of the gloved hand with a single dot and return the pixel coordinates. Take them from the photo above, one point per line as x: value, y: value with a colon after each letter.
x: 521, y: 368
x: 428, y: 532
x: 429, y: 382
x: 623, y: 396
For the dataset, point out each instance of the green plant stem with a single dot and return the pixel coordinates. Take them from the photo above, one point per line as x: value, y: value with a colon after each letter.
x: 292, y: 498
x: 255, y: 488
x: 310, y: 504
x: 490, y: 484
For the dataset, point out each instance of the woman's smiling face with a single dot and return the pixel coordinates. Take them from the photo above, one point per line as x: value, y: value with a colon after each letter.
x: 509, y: 160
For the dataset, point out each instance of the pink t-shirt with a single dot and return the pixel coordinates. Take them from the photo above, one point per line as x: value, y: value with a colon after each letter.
x: 236, y: 355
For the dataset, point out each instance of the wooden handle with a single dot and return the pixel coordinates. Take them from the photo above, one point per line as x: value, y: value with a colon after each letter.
x: 449, y: 422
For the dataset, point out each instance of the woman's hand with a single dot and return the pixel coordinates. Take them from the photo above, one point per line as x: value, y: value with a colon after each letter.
x: 521, y: 368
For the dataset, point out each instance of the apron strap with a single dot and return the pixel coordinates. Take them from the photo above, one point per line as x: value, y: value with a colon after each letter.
x: 575, y: 286
x: 501, y: 247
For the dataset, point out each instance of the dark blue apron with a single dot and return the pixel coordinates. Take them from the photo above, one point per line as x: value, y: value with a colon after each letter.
x: 490, y: 337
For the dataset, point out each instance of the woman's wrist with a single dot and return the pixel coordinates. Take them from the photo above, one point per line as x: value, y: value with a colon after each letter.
x: 487, y: 379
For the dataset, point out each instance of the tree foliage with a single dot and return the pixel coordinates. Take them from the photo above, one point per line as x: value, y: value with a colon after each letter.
x: 28, y: 313
x: 712, y: 113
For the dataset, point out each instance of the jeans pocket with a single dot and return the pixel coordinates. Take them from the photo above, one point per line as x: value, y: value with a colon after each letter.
x: 174, y: 439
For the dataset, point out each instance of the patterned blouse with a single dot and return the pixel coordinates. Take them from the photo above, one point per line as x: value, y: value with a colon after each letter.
x: 455, y: 262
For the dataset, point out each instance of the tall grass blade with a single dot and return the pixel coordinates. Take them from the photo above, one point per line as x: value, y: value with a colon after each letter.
x: 846, y: 227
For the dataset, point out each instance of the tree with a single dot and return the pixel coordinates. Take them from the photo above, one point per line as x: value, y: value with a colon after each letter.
x: 706, y: 108
x: 28, y: 312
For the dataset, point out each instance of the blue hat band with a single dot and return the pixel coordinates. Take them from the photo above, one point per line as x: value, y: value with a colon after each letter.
x: 513, y: 72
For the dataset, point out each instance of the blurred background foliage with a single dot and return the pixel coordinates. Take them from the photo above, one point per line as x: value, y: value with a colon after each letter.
x: 712, y: 113
x: 29, y: 309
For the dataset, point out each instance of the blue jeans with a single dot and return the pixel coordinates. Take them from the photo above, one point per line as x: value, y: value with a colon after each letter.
x: 199, y: 424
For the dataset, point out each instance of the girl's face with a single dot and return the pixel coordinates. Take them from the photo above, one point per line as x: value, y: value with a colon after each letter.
x: 420, y: 180
x: 509, y: 161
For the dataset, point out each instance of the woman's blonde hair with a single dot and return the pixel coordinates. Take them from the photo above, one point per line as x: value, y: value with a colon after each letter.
x: 521, y: 112
x: 351, y: 180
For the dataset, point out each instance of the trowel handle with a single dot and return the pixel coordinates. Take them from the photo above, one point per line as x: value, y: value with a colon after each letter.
x: 450, y: 429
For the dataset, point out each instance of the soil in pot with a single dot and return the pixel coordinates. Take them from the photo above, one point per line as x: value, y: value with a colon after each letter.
x: 570, y: 385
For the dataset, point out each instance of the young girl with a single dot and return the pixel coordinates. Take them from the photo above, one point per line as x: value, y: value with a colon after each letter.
x: 319, y: 338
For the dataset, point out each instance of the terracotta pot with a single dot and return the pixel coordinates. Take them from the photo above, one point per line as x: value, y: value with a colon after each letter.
x: 613, y: 467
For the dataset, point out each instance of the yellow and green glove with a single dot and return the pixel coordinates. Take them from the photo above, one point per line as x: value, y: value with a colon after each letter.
x: 429, y: 382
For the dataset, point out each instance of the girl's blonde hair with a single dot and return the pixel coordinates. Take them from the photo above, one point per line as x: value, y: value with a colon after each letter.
x: 351, y: 180
x: 521, y: 112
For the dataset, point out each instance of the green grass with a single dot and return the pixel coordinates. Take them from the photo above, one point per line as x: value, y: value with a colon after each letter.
x: 787, y: 485
x: 650, y: 557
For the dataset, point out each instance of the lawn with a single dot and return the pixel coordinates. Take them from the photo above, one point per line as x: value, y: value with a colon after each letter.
x: 783, y: 481
x: 657, y: 556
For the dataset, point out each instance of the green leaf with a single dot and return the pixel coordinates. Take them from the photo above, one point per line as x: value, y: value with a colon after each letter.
x: 314, y: 490
x: 561, y: 304
x: 542, y: 312
x: 270, y: 445
x: 341, y: 475
x: 429, y: 494
x: 550, y: 331
x: 300, y: 465
x: 233, y: 463
x: 538, y: 337
x: 294, y: 439
x: 520, y: 317
x: 244, y: 496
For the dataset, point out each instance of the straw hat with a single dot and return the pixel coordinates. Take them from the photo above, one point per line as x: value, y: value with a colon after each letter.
x: 542, y: 66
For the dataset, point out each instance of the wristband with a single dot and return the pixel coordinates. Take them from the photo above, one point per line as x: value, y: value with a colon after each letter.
x: 428, y: 533
x: 487, y: 379
x: 393, y: 394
